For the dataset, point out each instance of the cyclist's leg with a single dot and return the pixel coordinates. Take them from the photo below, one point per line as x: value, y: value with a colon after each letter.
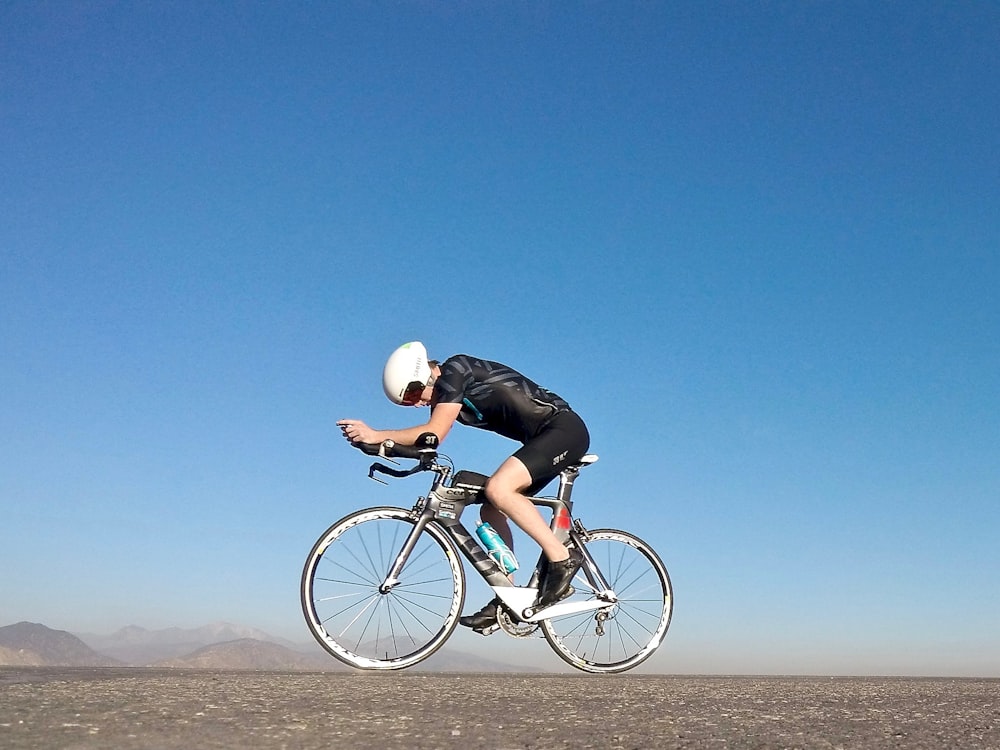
x: 533, y: 466
x: 512, y: 473
x: 562, y: 564
x: 485, y: 620
x: 505, y: 492
x: 506, y: 499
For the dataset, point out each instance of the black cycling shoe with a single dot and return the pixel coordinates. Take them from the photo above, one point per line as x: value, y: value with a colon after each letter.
x: 482, y: 619
x: 556, y: 577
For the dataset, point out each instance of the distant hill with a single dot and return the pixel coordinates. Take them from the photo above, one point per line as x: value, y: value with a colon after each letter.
x: 32, y: 644
x: 140, y: 647
x: 217, y: 646
x: 249, y: 653
x: 10, y: 657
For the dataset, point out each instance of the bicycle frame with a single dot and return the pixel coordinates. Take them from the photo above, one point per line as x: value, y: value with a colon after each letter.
x: 381, y: 604
x: 444, y: 506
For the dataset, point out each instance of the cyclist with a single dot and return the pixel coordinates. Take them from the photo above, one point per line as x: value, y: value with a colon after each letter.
x: 492, y: 396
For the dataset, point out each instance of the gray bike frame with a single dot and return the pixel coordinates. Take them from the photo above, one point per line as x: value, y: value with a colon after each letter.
x: 445, y: 505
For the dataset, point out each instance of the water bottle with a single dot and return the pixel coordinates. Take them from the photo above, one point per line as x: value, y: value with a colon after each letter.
x: 496, y: 548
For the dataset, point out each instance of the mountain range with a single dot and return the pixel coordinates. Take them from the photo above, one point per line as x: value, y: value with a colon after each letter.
x: 221, y: 646
x: 27, y: 644
x: 139, y: 646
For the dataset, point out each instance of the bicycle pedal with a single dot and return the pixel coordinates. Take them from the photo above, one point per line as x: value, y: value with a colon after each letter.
x: 488, y: 630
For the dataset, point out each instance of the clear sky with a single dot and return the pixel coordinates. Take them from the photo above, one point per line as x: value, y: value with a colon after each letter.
x: 756, y: 246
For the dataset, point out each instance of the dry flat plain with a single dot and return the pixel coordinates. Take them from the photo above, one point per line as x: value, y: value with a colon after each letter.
x: 86, y: 708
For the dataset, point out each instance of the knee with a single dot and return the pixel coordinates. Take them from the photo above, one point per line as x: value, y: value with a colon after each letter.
x: 493, y: 491
x: 504, y: 487
x: 497, y: 492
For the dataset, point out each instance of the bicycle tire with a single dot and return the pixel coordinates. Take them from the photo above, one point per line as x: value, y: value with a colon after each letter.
x: 636, y: 624
x: 358, y: 624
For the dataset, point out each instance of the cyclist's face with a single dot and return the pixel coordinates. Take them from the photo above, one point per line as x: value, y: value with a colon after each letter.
x: 417, y: 395
x: 413, y: 393
x: 425, y: 396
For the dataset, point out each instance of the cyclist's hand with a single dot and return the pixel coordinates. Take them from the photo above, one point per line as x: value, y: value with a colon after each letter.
x: 356, y: 431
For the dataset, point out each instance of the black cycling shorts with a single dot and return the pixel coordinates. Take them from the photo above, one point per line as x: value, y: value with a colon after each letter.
x: 563, y: 441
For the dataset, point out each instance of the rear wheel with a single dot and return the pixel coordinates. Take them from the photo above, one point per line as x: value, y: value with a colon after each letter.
x: 627, y: 632
x: 358, y: 623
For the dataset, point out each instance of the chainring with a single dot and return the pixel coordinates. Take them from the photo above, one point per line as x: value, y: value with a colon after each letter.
x: 515, y: 629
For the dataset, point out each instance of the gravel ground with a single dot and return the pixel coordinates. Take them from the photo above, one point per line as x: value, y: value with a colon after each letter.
x: 140, y: 708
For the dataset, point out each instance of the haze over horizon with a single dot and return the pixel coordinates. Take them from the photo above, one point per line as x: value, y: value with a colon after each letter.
x: 756, y: 247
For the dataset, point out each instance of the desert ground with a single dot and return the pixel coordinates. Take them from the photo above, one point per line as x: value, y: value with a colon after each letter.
x: 83, y: 708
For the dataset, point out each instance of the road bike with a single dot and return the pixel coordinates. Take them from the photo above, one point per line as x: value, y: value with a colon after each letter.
x: 383, y: 587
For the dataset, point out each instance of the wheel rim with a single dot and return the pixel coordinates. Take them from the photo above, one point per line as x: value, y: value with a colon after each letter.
x: 634, y: 626
x: 368, y: 628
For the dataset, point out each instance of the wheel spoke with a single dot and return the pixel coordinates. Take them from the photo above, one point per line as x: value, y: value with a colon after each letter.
x: 636, y: 622
x: 354, y: 619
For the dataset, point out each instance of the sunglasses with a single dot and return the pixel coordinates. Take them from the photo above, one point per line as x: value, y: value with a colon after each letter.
x: 413, y: 393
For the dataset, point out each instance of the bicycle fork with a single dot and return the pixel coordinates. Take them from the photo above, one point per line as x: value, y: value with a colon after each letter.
x: 392, y: 579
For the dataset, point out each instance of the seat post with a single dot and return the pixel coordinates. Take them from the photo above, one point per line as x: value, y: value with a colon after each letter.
x: 566, y: 479
x: 568, y: 476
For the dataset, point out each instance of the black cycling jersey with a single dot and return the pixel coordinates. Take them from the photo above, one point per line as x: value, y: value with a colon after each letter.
x: 496, y: 397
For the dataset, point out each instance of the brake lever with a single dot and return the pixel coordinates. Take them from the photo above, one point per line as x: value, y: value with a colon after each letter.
x: 371, y: 473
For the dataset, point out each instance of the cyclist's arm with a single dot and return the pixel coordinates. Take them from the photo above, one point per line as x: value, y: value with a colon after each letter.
x: 442, y: 419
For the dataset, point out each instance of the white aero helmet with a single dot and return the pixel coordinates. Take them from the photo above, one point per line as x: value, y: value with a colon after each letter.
x: 406, y: 374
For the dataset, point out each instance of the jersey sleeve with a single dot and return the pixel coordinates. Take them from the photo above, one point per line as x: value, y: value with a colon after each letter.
x: 453, y: 383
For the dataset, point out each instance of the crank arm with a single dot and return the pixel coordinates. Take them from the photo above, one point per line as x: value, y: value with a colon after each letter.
x: 568, y: 608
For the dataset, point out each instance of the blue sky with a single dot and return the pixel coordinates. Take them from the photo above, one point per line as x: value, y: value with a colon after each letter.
x: 757, y: 247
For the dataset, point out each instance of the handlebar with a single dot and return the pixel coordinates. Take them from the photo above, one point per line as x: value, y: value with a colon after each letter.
x: 390, y: 449
x: 423, y: 450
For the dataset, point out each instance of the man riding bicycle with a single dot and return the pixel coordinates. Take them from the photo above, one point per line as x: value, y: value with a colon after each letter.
x: 492, y: 396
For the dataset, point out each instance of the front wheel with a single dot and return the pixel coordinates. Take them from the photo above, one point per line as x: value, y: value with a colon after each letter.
x: 350, y: 615
x: 627, y: 632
